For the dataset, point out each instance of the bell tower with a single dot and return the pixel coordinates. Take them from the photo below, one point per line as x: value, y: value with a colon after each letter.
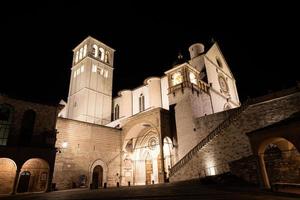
x: 185, y: 86
x: 90, y: 90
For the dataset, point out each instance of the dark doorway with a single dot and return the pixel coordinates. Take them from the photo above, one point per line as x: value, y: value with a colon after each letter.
x: 24, y: 182
x: 97, y: 179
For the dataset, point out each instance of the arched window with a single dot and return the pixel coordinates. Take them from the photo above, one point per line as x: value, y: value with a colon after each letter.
x: 117, y: 112
x: 84, y: 50
x: 142, y: 102
x: 101, y: 53
x: 27, y: 126
x: 80, y: 53
x: 95, y: 51
x: 106, y: 57
x: 227, y: 106
x: 219, y: 62
x: 5, y: 122
x: 76, y: 58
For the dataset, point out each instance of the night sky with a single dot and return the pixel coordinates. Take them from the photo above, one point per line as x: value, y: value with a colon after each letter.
x: 259, y: 42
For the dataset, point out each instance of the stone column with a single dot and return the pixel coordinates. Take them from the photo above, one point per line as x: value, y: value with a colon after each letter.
x: 263, y: 171
x: 161, y: 173
x: 14, y: 190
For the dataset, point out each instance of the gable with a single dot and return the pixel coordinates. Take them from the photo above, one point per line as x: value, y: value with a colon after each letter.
x: 214, y: 56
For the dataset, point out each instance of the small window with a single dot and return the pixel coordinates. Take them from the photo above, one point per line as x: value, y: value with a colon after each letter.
x: 95, y: 51
x: 74, y: 74
x: 82, y: 68
x: 117, y: 112
x: 76, y: 58
x: 101, y: 53
x: 84, y: 50
x: 5, y: 123
x: 80, y: 53
x: 107, y: 57
x: 219, y: 62
x: 142, y: 102
x: 78, y: 71
x: 94, y: 68
x: 106, y: 74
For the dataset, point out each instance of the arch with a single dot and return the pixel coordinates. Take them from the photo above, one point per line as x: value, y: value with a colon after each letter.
x: 145, y: 156
x: 34, y: 176
x: 101, y: 163
x: 117, y: 112
x: 279, y: 160
x: 8, y: 170
x: 80, y: 53
x: 97, y: 176
x: 95, y: 51
x: 101, y: 50
x: 141, y: 102
x: 107, y: 57
x: 227, y: 106
x: 219, y: 62
x: 27, y: 126
x: 6, y: 115
x: 77, y: 57
x: 84, y: 50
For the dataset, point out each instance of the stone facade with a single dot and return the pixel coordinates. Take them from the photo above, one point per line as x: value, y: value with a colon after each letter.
x: 86, y: 144
x: 232, y: 143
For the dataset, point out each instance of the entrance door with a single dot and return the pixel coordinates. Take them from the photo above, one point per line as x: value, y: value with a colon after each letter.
x: 24, y: 182
x: 148, y: 170
x: 97, y: 178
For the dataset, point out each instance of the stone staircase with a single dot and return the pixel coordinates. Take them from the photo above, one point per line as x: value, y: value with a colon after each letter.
x: 226, y: 123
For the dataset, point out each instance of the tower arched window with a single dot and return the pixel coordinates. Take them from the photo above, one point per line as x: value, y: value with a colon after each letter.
x: 106, y: 57
x: 80, y: 53
x: 117, y: 112
x: 141, y: 102
x: 95, y: 51
x: 101, y: 55
x: 27, y: 127
x: 77, y: 56
x: 84, y: 50
x: 6, y: 112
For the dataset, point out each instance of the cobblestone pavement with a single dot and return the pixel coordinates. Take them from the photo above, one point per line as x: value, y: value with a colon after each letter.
x: 161, y: 191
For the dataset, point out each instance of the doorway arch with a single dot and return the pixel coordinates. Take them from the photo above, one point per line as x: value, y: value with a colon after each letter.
x: 97, y: 177
x: 33, y: 176
x: 98, y: 169
x: 24, y: 182
x: 279, y: 161
x: 8, y: 170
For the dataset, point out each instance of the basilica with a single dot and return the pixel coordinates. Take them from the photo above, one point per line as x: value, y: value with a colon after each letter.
x: 187, y: 124
x: 140, y: 134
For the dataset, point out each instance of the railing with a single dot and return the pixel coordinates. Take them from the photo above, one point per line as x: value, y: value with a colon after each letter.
x: 202, y: 86
x: 209, y: 137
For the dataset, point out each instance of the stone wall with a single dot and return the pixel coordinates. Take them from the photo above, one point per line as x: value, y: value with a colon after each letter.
x: 246, y: 168
x: 283, y: 167
x: 232, y: 143
x: 86, y: 144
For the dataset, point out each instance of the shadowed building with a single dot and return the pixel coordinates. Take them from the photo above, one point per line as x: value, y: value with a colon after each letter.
x: 27, y: 145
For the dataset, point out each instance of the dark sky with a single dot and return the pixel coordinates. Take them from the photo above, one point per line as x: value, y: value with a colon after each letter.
x: 259, y: 42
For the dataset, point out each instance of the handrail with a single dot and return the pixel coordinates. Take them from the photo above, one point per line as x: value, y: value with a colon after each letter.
x: 209, y: 137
